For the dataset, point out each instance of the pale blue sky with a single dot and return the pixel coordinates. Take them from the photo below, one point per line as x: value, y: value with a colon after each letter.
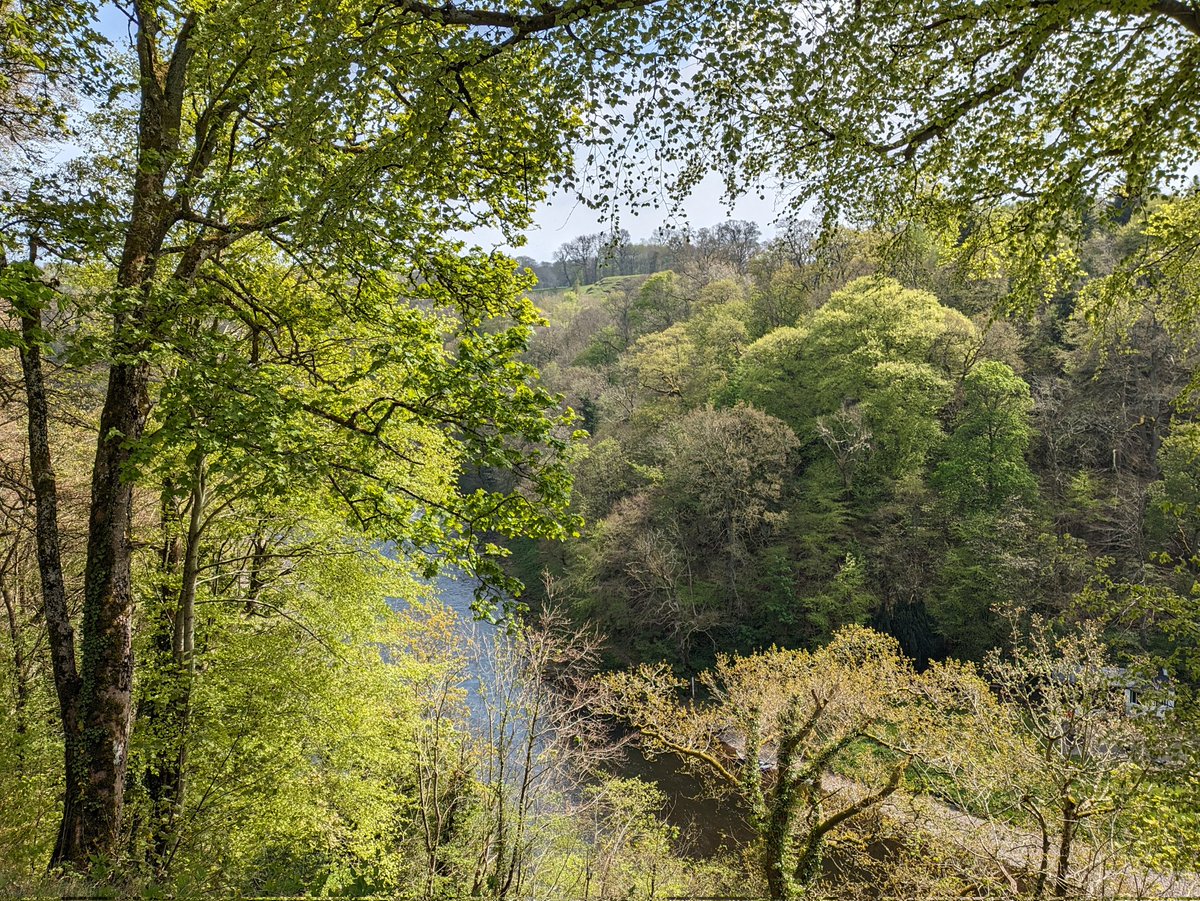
x: 562, y: 217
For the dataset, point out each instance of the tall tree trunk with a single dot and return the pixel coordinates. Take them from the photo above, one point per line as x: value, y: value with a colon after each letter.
x: 107, y: 648
x: 152, y: 709
x: 61, y: 635
x: 107, y: 645
x: 167, y: 794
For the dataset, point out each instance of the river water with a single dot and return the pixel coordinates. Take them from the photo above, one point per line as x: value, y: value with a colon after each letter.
x: 705, y: 824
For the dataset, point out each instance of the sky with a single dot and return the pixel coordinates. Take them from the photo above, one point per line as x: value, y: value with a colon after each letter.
x: 562, y: 217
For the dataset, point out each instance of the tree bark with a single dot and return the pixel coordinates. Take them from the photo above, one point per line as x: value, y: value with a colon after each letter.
x: 20, y: 674
x: 108, y: 612
x: 1070, y: 821
x: 107, y: 645
x: 167, y: 790
x: 785, y: 797
x: 153, y: 709
x: 54, y: 593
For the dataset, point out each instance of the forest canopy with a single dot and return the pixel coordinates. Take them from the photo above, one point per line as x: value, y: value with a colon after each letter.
x: 343, y: 552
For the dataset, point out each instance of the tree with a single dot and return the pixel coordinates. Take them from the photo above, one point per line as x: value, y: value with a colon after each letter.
x: 723, y: 478
x: 647, y: 581
x: 239, y: 430
x: 1149, y: 298
x: 1175, y: 517
x: 781, y: 296
x: 733, y: 242
x: 347, y: 162
x: 669, y: 367
x: 848, y: 437
x: 578, y: 259
x: 300, y: 713
x: 985, y: 464
x: 46, y: 52
x: 1130, y: 366
x: 771, y: 371
x: 988, y: 562
x: 958, y: 112
x: 1069, y: 749
x: 871, y: 347
x: 661, y: 302
x: 719, y: 330
x: 777, y: 723
x: 603, y: 475
x: 538, y: 741
x: 629, y: 846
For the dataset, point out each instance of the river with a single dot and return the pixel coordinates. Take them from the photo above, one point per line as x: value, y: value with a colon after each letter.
x: 705, y: 824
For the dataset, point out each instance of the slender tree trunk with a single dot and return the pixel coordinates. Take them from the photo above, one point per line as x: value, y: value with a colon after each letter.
x: 20, y: 675
x: 172, y: 775
x: 512, y: 880
x: 70, y: 844
x: 153, y: 710
x: 1070, y: 822
x: 1043, y: 872
x: 185, y: 620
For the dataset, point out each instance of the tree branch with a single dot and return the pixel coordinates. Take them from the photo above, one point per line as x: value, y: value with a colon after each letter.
x: 549, y: 17
x: 1184, y: 13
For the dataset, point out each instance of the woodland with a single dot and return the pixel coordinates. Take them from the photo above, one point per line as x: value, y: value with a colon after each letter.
x: 345, y: 551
